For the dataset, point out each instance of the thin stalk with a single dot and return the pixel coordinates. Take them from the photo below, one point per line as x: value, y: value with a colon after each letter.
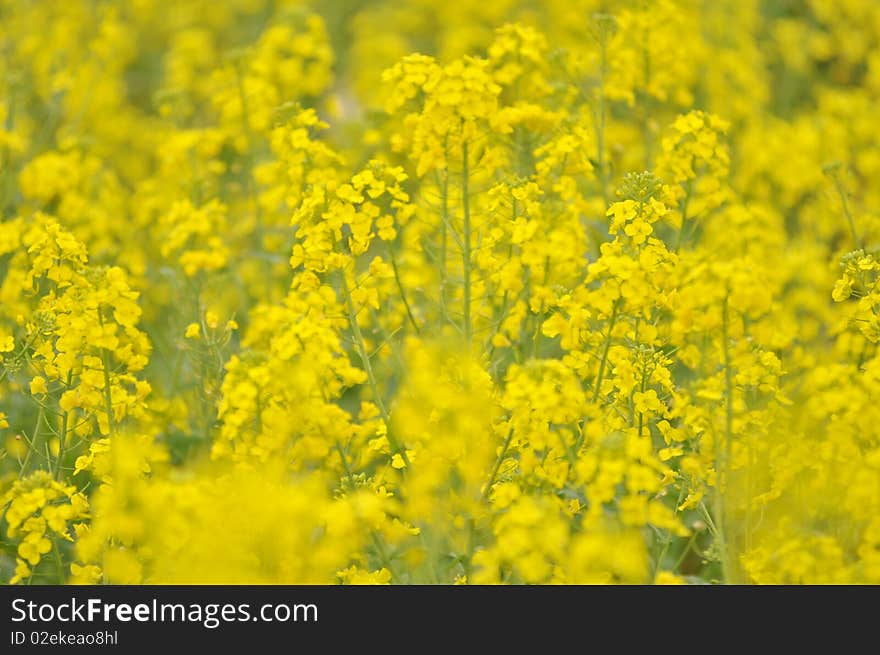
x: 108, y: 394
x: 383, y: 554
x: 724, y: 459
x: 684, y: 552
x: 684, y: 210
x: 360, y: 345
x: 58, y: 561
x: 32, y: 442
x: 605, y: 350
x: 108, y: 397
x: 62, y: 438
x: 569, y: 454
x: 466, y: 239
x: 536, y: 336
x: 62, y: 442
x: 632, y: 393
x: 642, y: 415
x: 345, y: 467
x: 748, y: 526
x: 668, y: 540
x: 728, y: 383
x: 444, y: 215
x: 497, y: 466
x: 409, y: 313
x: 467, y: 564
x: 844, y: 201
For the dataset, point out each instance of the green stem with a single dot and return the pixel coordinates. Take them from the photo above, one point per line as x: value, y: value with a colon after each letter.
x: 605, y: 350
x: 466, y: 238
x: 467, y: 564
x: 345, y: 467
x: 497, y: 466
x: 569, y: 454
x: 108, y: 394
x: 684, y: 210
x: 383, y: 554
x: 668, y: 540
x: 62, y: 438
x: 58, y: 561
x: 61, y: 444
x: 444, y: 216
x: 368, y: 367
x: 409, y: 313
x: 722, y: 481
x: 846, y: 210
x: 32, y: 443
x: 684, y: 552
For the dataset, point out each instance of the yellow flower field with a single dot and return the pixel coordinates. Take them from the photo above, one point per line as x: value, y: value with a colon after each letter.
x: 477, y: 292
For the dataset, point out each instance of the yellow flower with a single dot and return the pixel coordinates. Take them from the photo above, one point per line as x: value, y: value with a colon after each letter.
x: 38, y: 385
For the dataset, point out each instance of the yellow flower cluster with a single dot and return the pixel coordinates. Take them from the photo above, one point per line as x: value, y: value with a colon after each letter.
x: 557, y: 291
x: 38, y: 509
